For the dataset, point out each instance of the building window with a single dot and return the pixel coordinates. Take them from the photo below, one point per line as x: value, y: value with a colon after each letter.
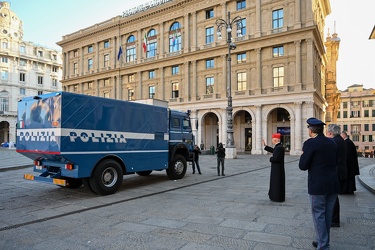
x: 40, y: 80
x: 373, y: 127
x: 209, y: 35
x: 89, y: 85
x: 210, y: 63
x: 175, y: 70
x: 175, y: 89
x: 241, y: 81
x: 106, y: 94
x: 277, y: 19
x: 355, y: 114
x: 40, y: 92
x: 22, y: 77
x: 106, y: 82
x: 345, y: 127
x: 151, y: 44
x: 22, y: 91
x: 151, y: 74
x: 106, y: 60
x: 355, y: 138
x: 345, y: 114
x: 241, y: 58
x: 22, y: 49
x: 210, y: 85
x: 40, y: 53
x: 75, y: 88
x: 4, y: 59
x: 90, y: 49
x: 373, y: 113
x: 130, y: 49
x: 90, y: 64
x: 355, y: 104
x: 366, y: 113
x: 22, y: 62
x: 345, y: 105
x: 278, y: 51
x: 75, y: 53
x: 5, y: 45
x: 243, y: 26
x: 106, y: 44
x: 130, y: 94
x: 54, y: 69
x: 366, y: 127
x: 151, y: 91
x: 54, y: 82
x: 4, y: 101
x: 241, y: 4
x: 209, y: 13
x: 366, y: 103
x: 4, y: 75
x: 278, y: 77
x: 75, y: 68
x: 131, y: 78
x: 174, y: 37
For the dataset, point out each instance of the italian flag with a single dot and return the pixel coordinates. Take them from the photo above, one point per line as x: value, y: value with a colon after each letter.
x: 144, y: 45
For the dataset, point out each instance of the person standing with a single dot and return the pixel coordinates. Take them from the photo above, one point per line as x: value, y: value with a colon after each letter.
x: 333, y: 132
x: 319, y: 158
x: 197, y: 152
x: 220, y: 151
x: 352, y: 166
x: 277, y: 178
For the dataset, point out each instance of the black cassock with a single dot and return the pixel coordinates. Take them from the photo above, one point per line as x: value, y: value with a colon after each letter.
x: 348, y: 186
x: 277, y: 178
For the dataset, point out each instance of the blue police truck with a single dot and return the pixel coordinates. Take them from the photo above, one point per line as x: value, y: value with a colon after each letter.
x: 77, y: 139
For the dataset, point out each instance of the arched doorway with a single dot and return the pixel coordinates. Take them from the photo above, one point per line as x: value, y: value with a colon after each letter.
x: 279, y: 122
x: 4, y: 131
x: 243, y: 131
x: 210, y: 131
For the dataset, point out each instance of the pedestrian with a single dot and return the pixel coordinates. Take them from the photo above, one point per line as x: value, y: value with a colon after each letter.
x: 197, y: 152
x: 220, y: 151
x: 319, y: 158
x: 333, y: 132
x: 352, y: 167
x: 277, y: 178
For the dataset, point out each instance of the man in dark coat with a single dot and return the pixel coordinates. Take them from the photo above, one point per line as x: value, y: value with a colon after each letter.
x: 277, y: 178
x: 319, y: 157
x: 348, y: 186
x: 333, y: 132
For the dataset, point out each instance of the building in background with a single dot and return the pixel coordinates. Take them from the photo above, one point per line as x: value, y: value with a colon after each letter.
x: 357, y: 117
x: 169, y: 50
x: 26, y: 69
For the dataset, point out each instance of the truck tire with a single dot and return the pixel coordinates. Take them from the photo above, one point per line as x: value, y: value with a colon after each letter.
x: 106, y: 178
x: 177, y: 167
x: 144, y: 173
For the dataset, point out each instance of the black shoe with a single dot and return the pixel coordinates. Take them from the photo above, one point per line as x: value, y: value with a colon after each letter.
x: 193, y: 172
x: 335, y: 224
x: 200, y: 173
x: 315, y: 244
x: 223, y: 174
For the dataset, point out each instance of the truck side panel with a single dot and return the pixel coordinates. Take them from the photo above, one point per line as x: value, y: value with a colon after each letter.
x: 90, y: 128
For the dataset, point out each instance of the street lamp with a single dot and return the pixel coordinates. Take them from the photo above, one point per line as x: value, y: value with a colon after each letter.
x: 227, y: 24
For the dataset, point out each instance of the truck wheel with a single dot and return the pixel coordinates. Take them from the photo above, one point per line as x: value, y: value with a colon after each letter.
x: 144, y: 173
x: 106, y: 178
x: 177, y: 167
x: 73, y: 183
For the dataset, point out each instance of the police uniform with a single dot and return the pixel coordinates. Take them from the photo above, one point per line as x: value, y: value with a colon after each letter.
x: 319, y: 158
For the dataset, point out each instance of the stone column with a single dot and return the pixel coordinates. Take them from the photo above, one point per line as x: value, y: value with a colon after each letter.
x: 186, y: 95
x: 97, y: 58
x: 310, y: 64
x: 298, y: 65
x: 298, y: 128
x: 258, y: 19
x: 297, y: 11
x: 195, y: 31
x: 162, y: 84
x: 186, y: 34
x: 162, y: 40
x: 258, y: 89
x: 258, y: 130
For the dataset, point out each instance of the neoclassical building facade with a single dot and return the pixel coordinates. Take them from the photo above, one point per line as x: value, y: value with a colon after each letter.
x: 170, y: 50
x: 26, y: 69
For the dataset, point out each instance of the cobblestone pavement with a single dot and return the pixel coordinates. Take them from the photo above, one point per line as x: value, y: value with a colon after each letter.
x: 197, y: 212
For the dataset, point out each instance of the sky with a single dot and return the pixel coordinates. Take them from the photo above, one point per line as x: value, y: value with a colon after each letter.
x: 46, y: 21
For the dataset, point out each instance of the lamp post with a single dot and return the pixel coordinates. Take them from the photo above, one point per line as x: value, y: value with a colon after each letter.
x: 227, y: 24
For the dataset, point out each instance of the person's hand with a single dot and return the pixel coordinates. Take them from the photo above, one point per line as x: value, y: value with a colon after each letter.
x: 264, y: 143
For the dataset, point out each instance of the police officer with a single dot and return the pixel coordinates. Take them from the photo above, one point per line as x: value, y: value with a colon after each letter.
x: 319, y: 157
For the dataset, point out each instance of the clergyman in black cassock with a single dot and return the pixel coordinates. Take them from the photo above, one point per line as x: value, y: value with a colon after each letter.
x: 277, y: 178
